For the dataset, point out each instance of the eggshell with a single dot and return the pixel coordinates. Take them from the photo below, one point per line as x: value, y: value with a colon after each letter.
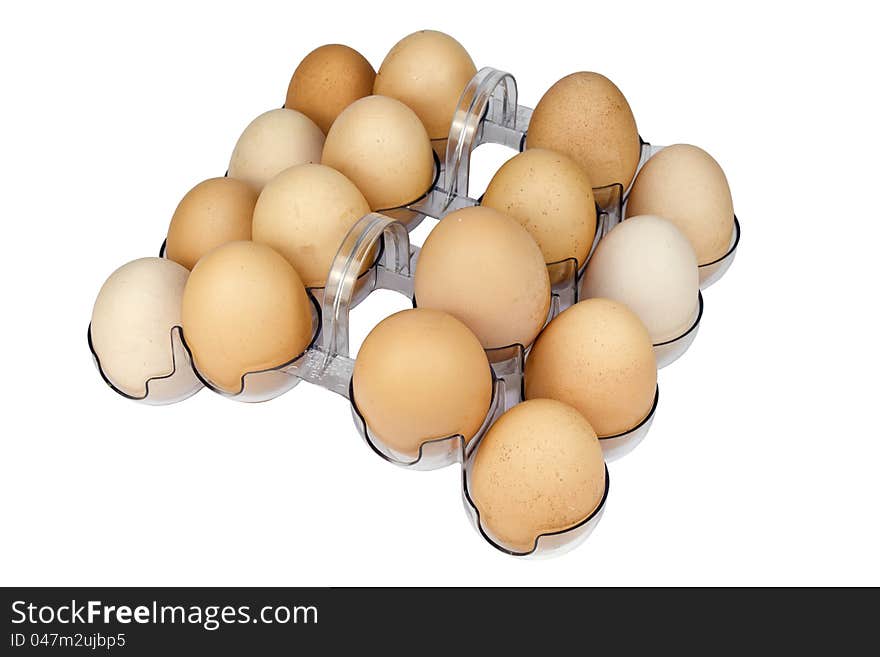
x: 328, y: 80
x: 304, y: 213
x: 550, y: 195
x: 215, y: 211
x: 420, y: 375
x: 271, y: 143
x: 538, y: 470
x: 382, y: 147
x: 244, y: 310
x: 596, y: 356
x: 131, y: 326
x: 686, y: 185
x: 427, y: 70
x: 649, y: 265
x: 585, y: 116
x: 482, y: 267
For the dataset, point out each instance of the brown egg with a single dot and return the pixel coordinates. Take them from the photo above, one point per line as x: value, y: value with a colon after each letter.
x: 328, y: 80
x: 215, y: 211
x: 271, y: 143
x: 244, y: 310
x: 550, y: 195
x: 538, y: 470
x: 421, y: 375
x: 304, y: 213
x: 482, y: 267
x: 585, y: 116
x: 382, y: 147
x: 596, y: 356
x: 684, y: 184
x: 427, y: 70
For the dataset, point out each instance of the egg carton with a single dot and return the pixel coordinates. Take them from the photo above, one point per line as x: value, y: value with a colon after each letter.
x: 378, y: 245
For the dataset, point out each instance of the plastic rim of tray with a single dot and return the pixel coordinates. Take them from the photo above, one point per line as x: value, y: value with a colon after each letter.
x: 547, y: 544
x: 711, y: 272
x: 433, y: 453
x: 266, y: 384
x: 160, y: 389
x: 621, y: 444
x: 669, y: 351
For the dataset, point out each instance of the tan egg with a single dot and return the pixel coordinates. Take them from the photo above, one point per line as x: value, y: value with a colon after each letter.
x: 271, y: 143
x: 550, y: 195
x: 304, y: 213
x: 382, y: 147
x: 427, y: 70
x: 538, y: 470
x: 215, y: 211
x: 596, y: 356
x: 686, y: 185
x: 482, y: 267
x: 328, y: 80
x: 649, y: 265
x: 136, y: 309
x: 585, y: 116
x: 421, y: 375
x: 244, y: 310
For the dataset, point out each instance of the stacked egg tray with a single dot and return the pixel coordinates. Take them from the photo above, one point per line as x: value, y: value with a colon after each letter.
x: 379, y: 246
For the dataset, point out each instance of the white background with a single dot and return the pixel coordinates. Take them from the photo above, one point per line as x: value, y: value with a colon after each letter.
x: 761, y: 467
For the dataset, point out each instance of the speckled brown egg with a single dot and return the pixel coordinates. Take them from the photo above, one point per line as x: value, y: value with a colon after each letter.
x: 304, y: 213
x: 421, y: 375
x: 382, y: 147
x: 550, y: 195
x: 684, y: 184
x: 214, y: 212
x: 244, y: 309
x: 482, y: 267
x: 585, y: 116
x: 427, y: 70
x: 538, y: 470
x: 328, y: 80
x: 598, y: 357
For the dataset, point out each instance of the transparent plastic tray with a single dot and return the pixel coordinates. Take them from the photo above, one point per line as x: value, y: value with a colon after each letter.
x: 487, y: 113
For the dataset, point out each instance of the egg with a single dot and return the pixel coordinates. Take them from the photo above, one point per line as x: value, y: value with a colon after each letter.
x: 585, y: 116
x: 482, y: 267
x: 304, y: 213
x: 215, y: 211
x: 428, y: 71
x: 382, y: 147
x: 550, y: 195
x: 272, y: 142
x: 244, y: 309
x: 421, y: 375
x: 328, y: 80
x: 596, y: 356
x: 649, y: 265
x: 538, y: 470
x: 134, y: 314
x: 686, y: 185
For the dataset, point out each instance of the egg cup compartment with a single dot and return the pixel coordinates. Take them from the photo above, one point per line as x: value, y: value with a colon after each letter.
x: 621, y: 444
x: 549, y: 544
x: 162, y: 388
x: 669, y: 351
x: 711, y: 272
x: 263, y: 385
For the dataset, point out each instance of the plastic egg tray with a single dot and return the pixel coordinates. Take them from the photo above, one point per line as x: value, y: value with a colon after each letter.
x: 487, y: 113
